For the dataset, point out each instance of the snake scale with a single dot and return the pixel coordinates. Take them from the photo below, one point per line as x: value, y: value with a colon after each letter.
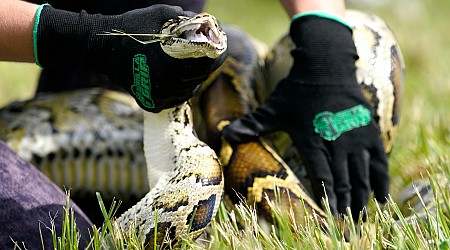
x: 93, y: 139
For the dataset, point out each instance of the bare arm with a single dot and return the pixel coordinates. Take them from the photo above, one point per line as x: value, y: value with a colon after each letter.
x: 16, y: 29
x: 335, y: 7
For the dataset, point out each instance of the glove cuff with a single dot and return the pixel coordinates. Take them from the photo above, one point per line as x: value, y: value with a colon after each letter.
x: 325, y: 52
x: 323, y: 15
x: 35, y: 29
x: 64, y: 38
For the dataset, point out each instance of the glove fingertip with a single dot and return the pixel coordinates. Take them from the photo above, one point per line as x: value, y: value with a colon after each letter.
x: 381, y: 192
x: 188, y: 13
x: 379, y: 175
x: 233, y: 135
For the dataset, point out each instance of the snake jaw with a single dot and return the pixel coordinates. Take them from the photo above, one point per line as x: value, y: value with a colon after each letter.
x: 194, y: 37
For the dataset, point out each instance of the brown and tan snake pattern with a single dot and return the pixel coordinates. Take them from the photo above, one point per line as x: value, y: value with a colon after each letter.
x: 93, y: 140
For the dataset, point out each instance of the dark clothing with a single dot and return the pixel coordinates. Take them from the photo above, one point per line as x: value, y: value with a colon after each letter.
x: 63, y: 78
x: 109, y: 7
x: 29, y: 201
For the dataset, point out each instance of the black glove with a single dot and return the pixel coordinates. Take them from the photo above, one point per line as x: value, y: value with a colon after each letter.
x: 321, y: 106
x: 156, y: 80
x: 110, y: 7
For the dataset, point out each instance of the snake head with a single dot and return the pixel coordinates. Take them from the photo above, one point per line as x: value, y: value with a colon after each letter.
x: 193, y: 37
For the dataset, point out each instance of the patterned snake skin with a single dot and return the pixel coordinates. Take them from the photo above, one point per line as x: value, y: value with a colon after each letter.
x: 93, y: 140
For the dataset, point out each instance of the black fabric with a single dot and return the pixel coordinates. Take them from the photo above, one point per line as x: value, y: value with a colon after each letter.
x: 72, y: 39
x: 111, y: 7
x: 58, y: 79
x: 29, y: 200
x: 62, y: 78
x: 325, y: 52
x: 323, y: 79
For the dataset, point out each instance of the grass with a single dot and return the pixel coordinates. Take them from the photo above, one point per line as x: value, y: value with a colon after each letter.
x: 241, y: 229
x: 421, y: 148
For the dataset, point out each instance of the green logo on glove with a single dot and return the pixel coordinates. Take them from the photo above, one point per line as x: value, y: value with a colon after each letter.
x: 141, y: 87
x: 331, y: 125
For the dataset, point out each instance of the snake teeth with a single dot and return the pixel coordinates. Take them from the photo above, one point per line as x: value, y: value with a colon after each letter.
x: 200, y: 32
x: 194, y: 37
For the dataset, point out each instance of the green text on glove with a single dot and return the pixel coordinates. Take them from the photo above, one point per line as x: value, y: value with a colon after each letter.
x: 141, y: 87
x: 331, y: 125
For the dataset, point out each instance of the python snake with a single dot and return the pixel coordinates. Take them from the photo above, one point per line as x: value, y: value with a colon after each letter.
x: 66, y: 141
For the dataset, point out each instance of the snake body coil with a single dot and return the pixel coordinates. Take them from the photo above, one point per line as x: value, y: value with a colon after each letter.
x: 254, y: 171
x: 185, y: 179
x: 183, y: 173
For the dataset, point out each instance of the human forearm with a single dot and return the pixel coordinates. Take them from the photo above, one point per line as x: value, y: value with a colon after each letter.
x: 335, y: 7
x: 16, y: 28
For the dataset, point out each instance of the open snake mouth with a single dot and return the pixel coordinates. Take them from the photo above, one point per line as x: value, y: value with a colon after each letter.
x: 200, y: 33
x: 194, y: 37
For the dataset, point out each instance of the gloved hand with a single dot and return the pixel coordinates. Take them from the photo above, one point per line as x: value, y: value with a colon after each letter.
x: 321, y: 106
x: 113, y: 7
x: 156, y: 80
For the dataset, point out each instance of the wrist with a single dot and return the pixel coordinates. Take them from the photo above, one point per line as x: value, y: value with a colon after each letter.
x: 294, y: 7
x: 16, y: 27
x: 70, y: 39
